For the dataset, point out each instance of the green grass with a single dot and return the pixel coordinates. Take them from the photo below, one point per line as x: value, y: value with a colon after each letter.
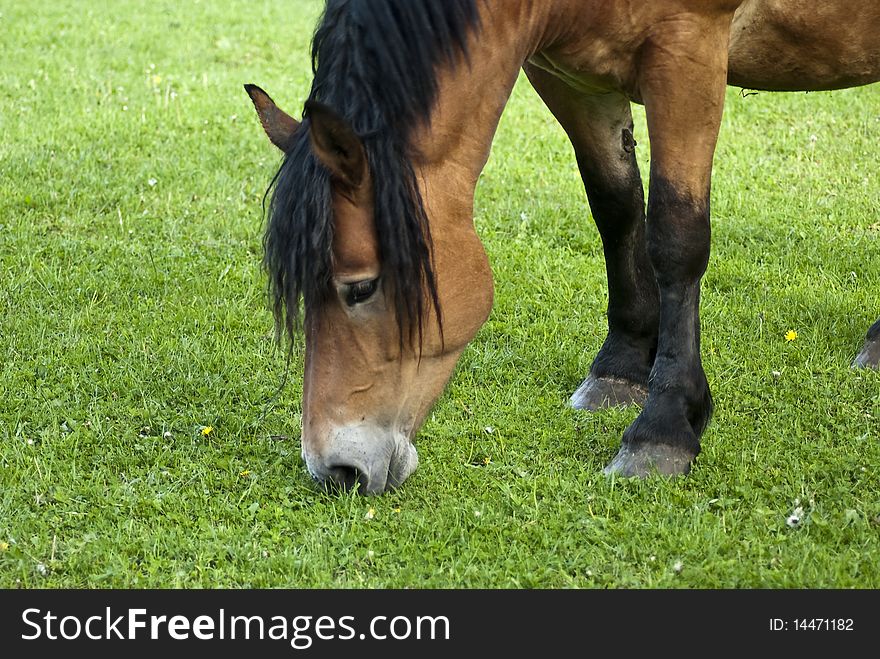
x: 134, y: 315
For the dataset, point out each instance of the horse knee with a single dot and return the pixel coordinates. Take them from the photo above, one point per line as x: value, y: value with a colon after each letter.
x: 678, y: 234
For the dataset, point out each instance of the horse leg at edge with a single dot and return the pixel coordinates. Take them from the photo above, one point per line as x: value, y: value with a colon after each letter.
x: 600, y: 130
x: 869, y: 357
x: 683, y: 70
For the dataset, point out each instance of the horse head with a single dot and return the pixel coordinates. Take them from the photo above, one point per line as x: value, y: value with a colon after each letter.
x: 372, y: 373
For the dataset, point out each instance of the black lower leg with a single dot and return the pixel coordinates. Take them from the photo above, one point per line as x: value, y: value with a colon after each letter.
x: 618, y: 208
x: 665, y: 436
x: 619, y: 373
x: 600, y: 128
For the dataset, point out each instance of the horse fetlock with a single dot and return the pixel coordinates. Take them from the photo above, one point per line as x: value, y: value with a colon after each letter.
x: 701, y: 406
x: 625, y: 357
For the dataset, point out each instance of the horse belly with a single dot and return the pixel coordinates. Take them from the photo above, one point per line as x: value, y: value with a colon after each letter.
x: 792, y: 45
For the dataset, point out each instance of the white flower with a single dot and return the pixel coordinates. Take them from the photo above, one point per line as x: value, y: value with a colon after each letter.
x: 794, y: 520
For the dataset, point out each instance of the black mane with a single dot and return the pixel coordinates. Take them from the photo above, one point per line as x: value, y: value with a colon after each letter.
x: 374, y: 63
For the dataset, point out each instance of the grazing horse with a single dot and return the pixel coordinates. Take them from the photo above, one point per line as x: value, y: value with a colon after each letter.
x: 371, y: 216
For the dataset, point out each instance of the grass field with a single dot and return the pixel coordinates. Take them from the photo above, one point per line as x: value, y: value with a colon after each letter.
x: 135, y: 318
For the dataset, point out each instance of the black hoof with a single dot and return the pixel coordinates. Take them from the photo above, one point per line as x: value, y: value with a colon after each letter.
x: 598, y: 393
x: 650, y: 459
x: 869, y: 357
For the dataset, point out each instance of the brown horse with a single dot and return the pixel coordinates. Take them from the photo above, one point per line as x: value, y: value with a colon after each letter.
x: 371, y: 221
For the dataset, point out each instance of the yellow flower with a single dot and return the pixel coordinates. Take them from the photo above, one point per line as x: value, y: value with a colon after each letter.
x: 397, y: 510
x: 246, y: 472
x: 371, y: 513
x: 4, y: 546
x: 156, y: 79
x: 487, y: 460
x: 790, y: 335
x: 207, y: 430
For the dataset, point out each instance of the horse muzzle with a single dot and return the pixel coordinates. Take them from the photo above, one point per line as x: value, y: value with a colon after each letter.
x: 367, y: 458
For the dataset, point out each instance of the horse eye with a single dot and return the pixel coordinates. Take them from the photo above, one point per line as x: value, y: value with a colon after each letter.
x: 360, y: 291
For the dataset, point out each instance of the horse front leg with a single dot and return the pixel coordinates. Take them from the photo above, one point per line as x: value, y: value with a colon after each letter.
x: 600, y: 129
x: 682, y: 81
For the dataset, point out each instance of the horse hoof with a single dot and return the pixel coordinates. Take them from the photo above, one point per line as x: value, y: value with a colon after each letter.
x: 598, y: 393
x: 650, y: 459
x: 869, y: 357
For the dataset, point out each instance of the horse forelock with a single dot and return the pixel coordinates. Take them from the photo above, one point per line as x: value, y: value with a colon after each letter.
x: 298, y: 239
x: 375, y: 63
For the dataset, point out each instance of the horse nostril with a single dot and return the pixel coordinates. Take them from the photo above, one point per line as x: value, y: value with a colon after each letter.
x: 348, y: 477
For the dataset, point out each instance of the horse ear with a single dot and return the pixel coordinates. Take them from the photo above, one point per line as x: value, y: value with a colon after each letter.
x: 279, y: 126
x: 336, y: 145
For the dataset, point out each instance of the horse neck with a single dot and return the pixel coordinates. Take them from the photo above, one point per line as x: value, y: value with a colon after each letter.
x: 451, y: 150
